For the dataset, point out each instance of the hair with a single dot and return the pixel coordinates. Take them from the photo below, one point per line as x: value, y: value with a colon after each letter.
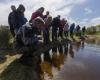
x: 40, y: 8
x: 21, y: 7
x: 12, y: 6
x: 58, y: 16
x: 47, y: 12
x: 49, y: 18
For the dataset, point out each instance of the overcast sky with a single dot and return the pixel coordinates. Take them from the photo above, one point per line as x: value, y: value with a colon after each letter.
x: 83, y: 12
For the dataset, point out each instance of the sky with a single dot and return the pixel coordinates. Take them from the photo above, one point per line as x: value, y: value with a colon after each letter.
x: 82, y: 12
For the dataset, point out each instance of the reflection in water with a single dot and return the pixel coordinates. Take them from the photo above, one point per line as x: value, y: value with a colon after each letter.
x: 45, y: 69
x: 50, y: 64
x: 79, y: 45
x: 82, y: 43
x: 71, y: 52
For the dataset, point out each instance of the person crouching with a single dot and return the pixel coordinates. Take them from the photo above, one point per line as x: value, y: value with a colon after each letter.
x: 27, y: 40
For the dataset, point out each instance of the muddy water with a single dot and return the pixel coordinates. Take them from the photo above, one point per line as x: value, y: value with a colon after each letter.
x: 78, y: 62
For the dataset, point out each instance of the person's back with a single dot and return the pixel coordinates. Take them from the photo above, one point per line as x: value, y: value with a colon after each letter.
x: 83, y: 29
x: 56, y: 23
x: 72, y: 27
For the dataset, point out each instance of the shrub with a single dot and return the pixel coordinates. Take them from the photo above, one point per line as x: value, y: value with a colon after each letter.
x: 5, y: 37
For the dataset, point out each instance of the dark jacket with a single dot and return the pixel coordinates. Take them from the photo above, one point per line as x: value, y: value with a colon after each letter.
x: 19, y: 19
x: 27, y: 35
x: 55, y: 23
x: 11, y: 19
x: 72, y: 27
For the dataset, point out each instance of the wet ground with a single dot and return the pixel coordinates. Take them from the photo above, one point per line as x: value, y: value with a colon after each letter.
x: 80, y: 62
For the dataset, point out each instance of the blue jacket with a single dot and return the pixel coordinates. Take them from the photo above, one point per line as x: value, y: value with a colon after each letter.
x: 19, y: 20
x: 72, y: 27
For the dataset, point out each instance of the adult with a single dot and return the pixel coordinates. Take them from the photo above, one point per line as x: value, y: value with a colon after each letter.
x: 45, y: 16
x: 11, y: 19
x: 20, y: 19
x: 61, y: 27
x: 55, y: 27
x: 72, y: 27
x: 83, y: 30
x: 66, y: 29
x: 27, y: 40
x: 38, y: 13
x: 78, y: 31
x: 46, y: 33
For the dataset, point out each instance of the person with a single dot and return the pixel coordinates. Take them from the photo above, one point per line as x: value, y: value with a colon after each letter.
x: 72, y: 27
x: 45, y: 16
x: 55, y: 27
x: 83, y: 30
x: 46, y: 34
x: 62, y: 23
x: 11, y: 20
x: 27, y: 40
x: 19, y: 18
x: 66, y: 29
x: 38, y: 13
x: 78, y: 32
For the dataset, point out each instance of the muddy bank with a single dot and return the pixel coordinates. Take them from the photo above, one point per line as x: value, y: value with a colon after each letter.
x: 93, y: 39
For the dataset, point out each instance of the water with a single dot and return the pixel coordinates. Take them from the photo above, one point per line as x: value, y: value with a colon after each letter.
x: 75, y: 61
x: 79, y: 62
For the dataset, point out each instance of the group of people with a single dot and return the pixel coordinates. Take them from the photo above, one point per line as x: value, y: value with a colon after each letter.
x: 26, y: 32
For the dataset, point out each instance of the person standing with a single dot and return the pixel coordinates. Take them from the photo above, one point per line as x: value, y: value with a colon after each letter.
x: 61, y: 27
x: 83, y: 30
x: 55, y: 26
x: 72, y: 27
x: 11, y: 20
x: 46, y: 31
x: 45, y: 16
x: 78, y: 31
x: 19, y: 18
x: 66, y: 29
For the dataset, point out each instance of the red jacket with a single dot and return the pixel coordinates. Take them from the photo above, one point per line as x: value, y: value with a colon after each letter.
x: 62, y: 24
x: 35, y: 15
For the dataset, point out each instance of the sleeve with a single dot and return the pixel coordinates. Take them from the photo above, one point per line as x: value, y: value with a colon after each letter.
x: 33, y: 16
